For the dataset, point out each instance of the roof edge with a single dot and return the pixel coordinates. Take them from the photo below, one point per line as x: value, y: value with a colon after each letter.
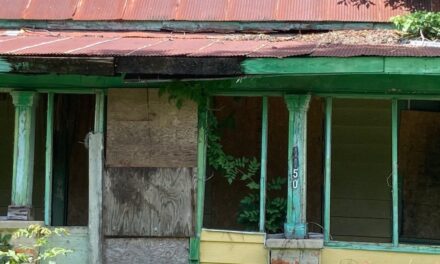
x: 192, y: 26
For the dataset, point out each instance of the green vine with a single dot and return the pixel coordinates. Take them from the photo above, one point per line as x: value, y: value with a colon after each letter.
x: 234, y: 169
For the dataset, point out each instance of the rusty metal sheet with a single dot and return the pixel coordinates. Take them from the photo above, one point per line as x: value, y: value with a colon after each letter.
x: 22, y: 43
x: 150, y: 10
x: 227, y: 48
x: 99, y: 9
x: 197, y: 10
x: 284, y: 49
x: 53, y: 9
x: 59, y: 47
x: 116, y: 46
x: 252, y: 10
x: 12, y: 9
x: 177, y: 47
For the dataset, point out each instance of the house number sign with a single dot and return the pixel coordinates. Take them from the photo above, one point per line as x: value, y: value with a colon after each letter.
x: 295, y: 167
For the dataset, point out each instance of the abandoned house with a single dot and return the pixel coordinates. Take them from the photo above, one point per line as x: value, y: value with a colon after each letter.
x: 214, y: 131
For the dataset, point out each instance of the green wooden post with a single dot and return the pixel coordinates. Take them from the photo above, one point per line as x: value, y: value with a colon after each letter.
x: 395, y: 176
x: 23, y: 166
x: 296, y: 226
x: 328, y: 166
x: 202, y: 144
x: 263, y: 168
x: 48, y: 166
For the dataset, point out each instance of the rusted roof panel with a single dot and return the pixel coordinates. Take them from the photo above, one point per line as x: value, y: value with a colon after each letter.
x: 150, y: 10
x: 190, y: 45
x: 252, y: 10
x: 53, y: 9
x: 199, y: 10
x: 213, y: 10
x: 99, y: 9
x: 13, y: 9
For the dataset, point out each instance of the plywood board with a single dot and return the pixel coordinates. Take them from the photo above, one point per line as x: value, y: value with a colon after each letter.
x: 149, y: 202
x: 146, y: 130
x: 146, y: 250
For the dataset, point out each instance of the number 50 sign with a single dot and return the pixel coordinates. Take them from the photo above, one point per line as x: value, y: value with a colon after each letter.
x: 295, y: 173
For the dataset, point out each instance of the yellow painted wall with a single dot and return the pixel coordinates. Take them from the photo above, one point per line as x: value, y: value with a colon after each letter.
x: 218, y: 246
x: 346, y: 256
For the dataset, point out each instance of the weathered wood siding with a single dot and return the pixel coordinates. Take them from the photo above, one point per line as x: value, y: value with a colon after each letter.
x: 361, y: 171
x: 232, y: 247
x: 343, y: 256
x: 146, y: 130
x: 149, y: 202
x: 146, y: 250
x: 419, y: 167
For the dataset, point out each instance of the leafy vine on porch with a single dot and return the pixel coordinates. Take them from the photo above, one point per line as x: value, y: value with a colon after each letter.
x: 243, y: 169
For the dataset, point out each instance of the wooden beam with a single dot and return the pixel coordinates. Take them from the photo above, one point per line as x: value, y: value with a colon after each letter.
x: 191, y: 26
x: 180, y: 66
x: 295, y: 226
x: 395, y: 175
x: 263, y: 167
x: 61, y: 65
x: 48, y: 165
x: 96, y: 165
x: 23, y: 166
x: 202, y: 144
x: 328, y: 166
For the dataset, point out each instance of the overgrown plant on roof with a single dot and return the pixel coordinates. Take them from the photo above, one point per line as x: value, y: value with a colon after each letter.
x: 420, y: 24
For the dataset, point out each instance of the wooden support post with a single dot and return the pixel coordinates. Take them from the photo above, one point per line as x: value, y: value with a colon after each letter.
x: 202, y: 144
x: 23, y: 167
x: 96, y: 164
x: 395, y: 176
x: 263, y: 169
x: 296, y: 226
x: 328, y: 166
x: 48, y: 172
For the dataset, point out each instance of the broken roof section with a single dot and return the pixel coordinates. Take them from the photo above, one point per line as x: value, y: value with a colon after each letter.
x: 147, y: 44
x: 212, y: 10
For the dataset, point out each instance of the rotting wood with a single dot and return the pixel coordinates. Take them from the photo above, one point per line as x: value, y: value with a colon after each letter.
x: 149, y: 202
x: 184, y: 66
x: 19, y: 213
x: 61, y: 65
x: 146, y: 250
x: 146, y: 130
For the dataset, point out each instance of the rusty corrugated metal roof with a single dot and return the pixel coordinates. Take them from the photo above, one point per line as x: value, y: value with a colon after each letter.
x: 213, y: 10
x: 46, y: 43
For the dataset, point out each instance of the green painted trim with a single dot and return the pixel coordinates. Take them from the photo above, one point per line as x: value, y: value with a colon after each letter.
x: 327, y: 65
x: 48, y: 159
x: 191, y: 26
x: 24, y: 137
x: 328, y: 166
x: 404, y: 248
x: 202, y: 142
x: 263, y: 167
x: 395, y: 176
x: 296, y: 226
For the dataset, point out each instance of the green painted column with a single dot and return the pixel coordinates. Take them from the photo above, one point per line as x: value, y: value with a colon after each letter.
x: 24, y: 137
x: 296, y: 226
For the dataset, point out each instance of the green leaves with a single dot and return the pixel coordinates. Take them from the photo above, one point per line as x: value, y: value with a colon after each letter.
x: 39, y: 251
x: 419, y: 24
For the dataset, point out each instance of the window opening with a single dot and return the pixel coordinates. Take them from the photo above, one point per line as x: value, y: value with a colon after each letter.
x: 7, y: 118
x: 361, y: 172
x: 73, y: 120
